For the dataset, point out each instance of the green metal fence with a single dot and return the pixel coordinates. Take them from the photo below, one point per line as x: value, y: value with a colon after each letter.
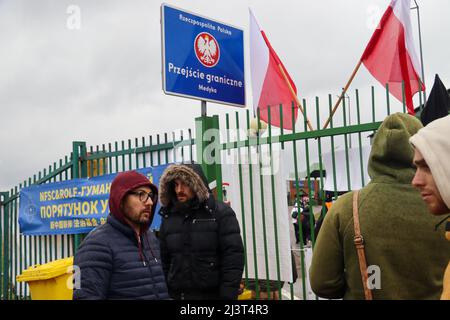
x: 303, y: 147
x: 298, y: 147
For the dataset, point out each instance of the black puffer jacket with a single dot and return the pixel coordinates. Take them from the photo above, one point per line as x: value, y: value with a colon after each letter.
x: 111, y: 267
x: 201, y: 245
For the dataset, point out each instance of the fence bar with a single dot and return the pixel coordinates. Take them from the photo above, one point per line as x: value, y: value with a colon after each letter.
x: 263, y: 209
x: 297, y: 203
x: 333, y: 155
x: 319, y: 150
x: 308, y: 174
x: 6, y: 246
x: 241, y: 192
x: 388, y: 104
x: 252, y: 207
x: 347, y: 164
x: 361, y: 162
x: 166, y: 151
x: 274, y: 206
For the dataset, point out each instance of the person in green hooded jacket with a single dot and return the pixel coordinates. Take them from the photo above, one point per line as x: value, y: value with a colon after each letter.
x: 405, y: 256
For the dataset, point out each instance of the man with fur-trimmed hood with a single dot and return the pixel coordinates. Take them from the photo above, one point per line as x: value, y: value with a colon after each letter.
x: 201, y: 246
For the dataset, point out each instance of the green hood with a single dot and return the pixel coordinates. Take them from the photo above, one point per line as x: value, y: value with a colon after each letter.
x: 392, y: 154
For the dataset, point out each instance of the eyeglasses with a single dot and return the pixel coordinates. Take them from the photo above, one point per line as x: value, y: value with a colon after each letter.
x: 143, y: 196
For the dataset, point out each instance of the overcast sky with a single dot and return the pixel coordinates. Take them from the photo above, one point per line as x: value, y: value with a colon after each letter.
x: 102, y: 82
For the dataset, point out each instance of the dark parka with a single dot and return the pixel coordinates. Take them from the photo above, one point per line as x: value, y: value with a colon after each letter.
x: 201, y: 245
x: 115, y: 262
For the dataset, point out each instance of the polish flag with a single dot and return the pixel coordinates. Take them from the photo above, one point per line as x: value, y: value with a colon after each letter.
x: 390, y: 55
x: 268, y: 84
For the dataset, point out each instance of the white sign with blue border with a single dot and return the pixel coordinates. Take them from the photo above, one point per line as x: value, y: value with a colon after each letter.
x: 202, y: 58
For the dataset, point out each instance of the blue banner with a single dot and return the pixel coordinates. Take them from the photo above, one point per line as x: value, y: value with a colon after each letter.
x: 202, y: 58
x: 72, y: 206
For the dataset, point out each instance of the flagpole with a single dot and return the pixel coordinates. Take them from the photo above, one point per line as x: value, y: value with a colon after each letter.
x: 421, y: 53
x: 294, y: 95
x: 342, y: 95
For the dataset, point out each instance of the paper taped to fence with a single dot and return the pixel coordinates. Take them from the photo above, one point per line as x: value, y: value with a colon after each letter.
x: 270, y: 225
x: 340, y: 169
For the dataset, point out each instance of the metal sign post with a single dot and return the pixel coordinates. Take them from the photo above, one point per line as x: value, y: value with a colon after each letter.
x: 203, y: 108
x: 207, y: 142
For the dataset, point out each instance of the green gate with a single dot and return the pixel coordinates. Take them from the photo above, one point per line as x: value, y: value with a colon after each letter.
x: 304, y: 145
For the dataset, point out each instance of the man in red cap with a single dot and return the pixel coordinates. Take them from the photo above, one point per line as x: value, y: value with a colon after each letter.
x: 121, y: 259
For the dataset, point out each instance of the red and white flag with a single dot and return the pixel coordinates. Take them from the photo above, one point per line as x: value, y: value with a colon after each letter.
x: 268, y: 84
x: 390, y: 55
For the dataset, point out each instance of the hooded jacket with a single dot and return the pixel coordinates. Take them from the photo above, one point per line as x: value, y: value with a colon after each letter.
x: 201, y: 245
x: 434, y: 144
x: 405, y: 256
x: 114, y: 261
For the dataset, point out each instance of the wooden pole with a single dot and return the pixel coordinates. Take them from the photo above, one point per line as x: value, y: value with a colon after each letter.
x: 342, y: 95
x: 294, y: 95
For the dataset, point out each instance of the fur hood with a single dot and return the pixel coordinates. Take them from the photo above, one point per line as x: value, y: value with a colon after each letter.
x: 191, y: 174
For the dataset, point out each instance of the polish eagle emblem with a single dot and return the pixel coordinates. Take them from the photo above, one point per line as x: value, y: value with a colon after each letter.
x: 207, y: 49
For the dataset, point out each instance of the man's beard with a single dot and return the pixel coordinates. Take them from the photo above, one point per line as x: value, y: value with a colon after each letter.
x: 186, y: 205
x: 140, y: 220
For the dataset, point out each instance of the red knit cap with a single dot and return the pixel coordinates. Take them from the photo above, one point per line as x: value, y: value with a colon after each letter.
x: 123, y: 183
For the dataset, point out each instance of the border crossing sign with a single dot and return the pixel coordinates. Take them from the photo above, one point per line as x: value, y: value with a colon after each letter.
x: 202, y: 58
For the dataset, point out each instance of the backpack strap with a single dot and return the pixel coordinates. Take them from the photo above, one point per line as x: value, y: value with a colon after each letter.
x: 359, y: 244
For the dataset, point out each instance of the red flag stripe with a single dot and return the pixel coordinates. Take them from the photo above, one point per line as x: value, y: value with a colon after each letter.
x: 278, y: 61
x: 268, y: 84
x: 388, y: 57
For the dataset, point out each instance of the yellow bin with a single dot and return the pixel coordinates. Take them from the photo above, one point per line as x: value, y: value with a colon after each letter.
x: 245, y: 295
x: 49, y: 281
